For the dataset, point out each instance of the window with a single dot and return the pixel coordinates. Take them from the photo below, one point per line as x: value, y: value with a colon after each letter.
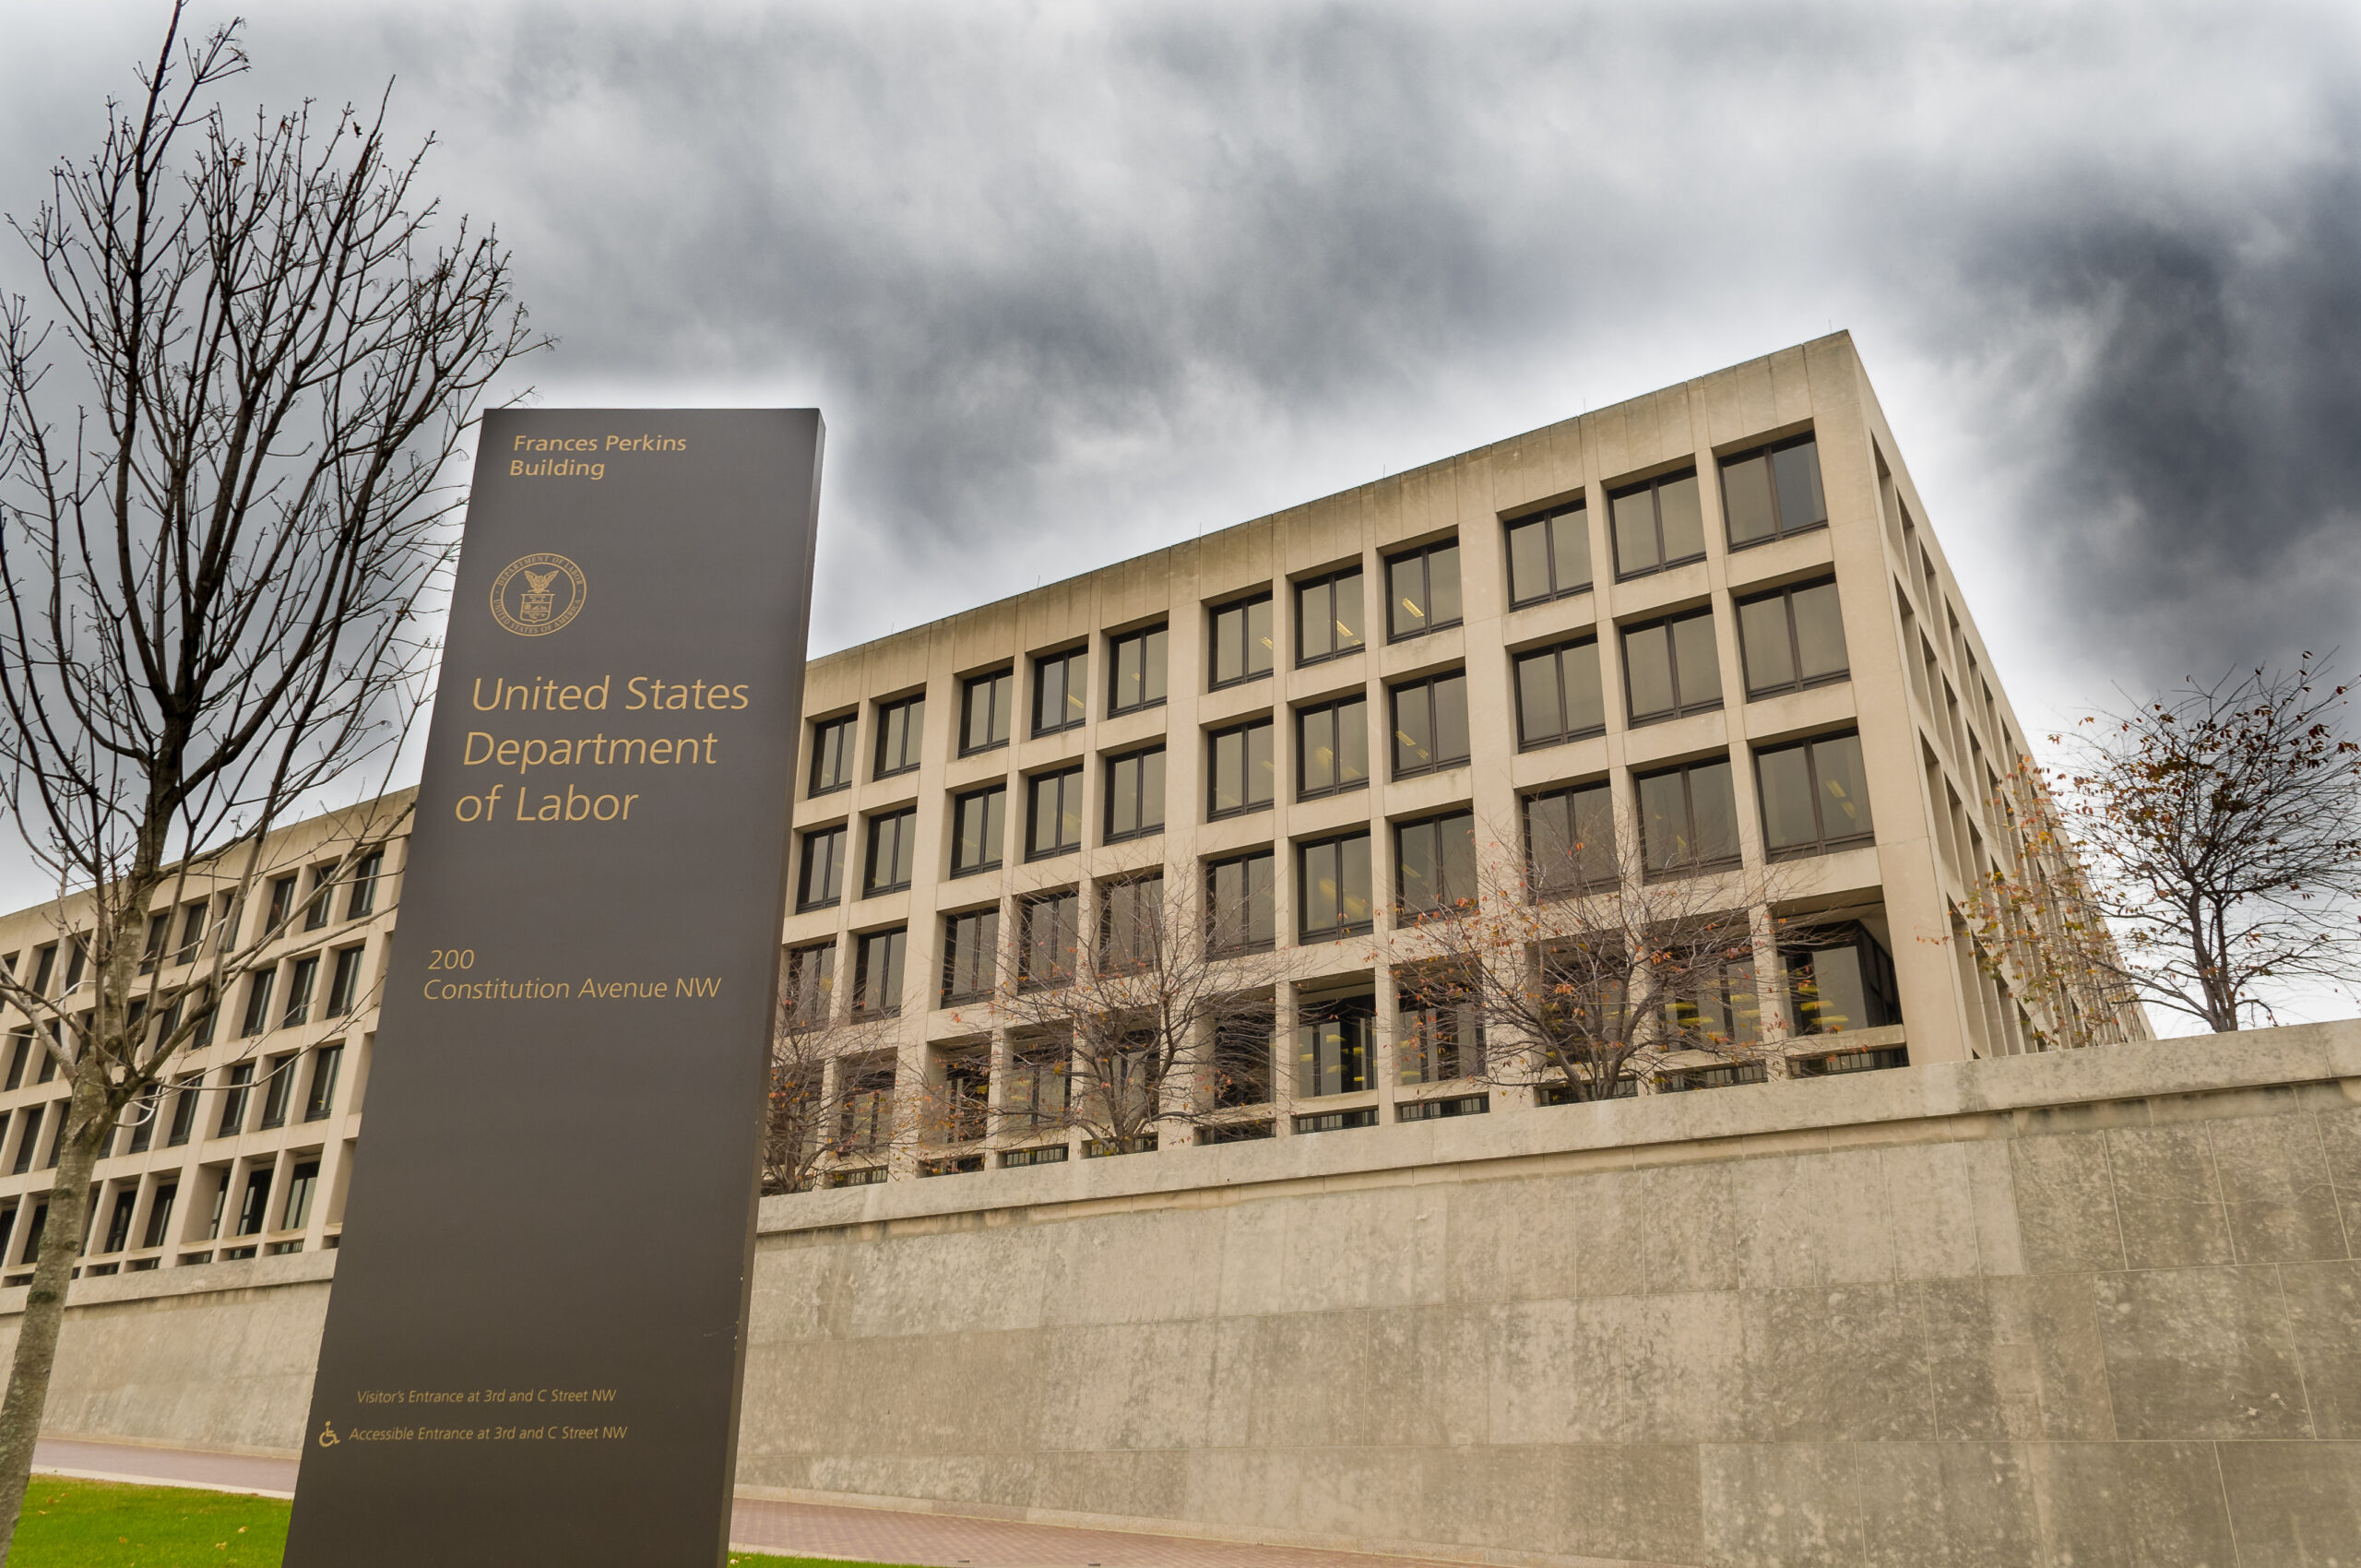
x: 301, y: 1182
x: 28, y: 1138
x: 192, y: 921
x: 344, y: 983
x: 46, y: 966
x: 1570, y: 840
x: 1244, y: 1036
x: 970, y: 951
x: 961, y: 1116
x: 1053, y: 815
x: 984, y: 703
x: 877, y: 974
x: 1716, y: 1005
x: 316, y: 913
x: 258, y: 1017
x: 1842, y: 982
x: 159, y: 1215
x: 901, y: 727
x: 1241, y: 641
x: 1422, y: 591
x: 1670, y: 668
x: 1135, y: 671
x: 142, y: 1117
x: 1135, y: 794
x: 1688, y: 818
x: 1792, y: 638
x: 1328, y: 616
x: 1549, y: 555
x: 300, y: 983
x: 979, y: 830
x: 1773, y: 492
x: 235, y: 1088
x: 20, y: 1055
x: 1436, y: 863
x: 160, y: 927
x: 1061, y: 691
x: 1815, y: 796
x: 360, y: 901
x: 893, y: 849
x: 1034, y: 1098
x: 824, y: 869
x: 1332, y: 1047
x: 282, y: 905
x: 1437, y: 1042
x: 119, y: 1223
x: 279, y: 1089
x: 1332, y: 747
x: 185, y: 1103
x: 1657, y: 525
x: 326, y: 1063
x: 1559, y: 697
x: 1050, y: 939
x: 1332, y: 886
x: 1239, y: 903
x: 78, y: 956
x: 1242, y: 771
x: 252, y: 1208
x: 1430, y: 724
x: 832, y: 754
x: 811, y: 985
x: 1131, y: 922
x: 865, y: 1108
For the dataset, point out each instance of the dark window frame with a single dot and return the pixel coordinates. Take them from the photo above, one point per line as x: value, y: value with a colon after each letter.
x: 1679, y: 709
x: 849, y: 725
x: 1425, y: 684
x: 1110, y: 769
x: 1436, y: 822
x: 1653, y: 486
x: 1305, y: 847
x: 1075, y: 697
x: 1066, y: 779
x: 1329, y: 581
x: 1213, y: 868
x: 1302, y: 753
x: 803, y: 989
x: 906, y: 821
x: 1116, y: 706
x: 1244, y: 605
x: 1649, y: 872
x: 864, y: 944
x: 1213, y: 748
x: 1006, y: 724
x: 1548, y: 554
x: 841, y: 833
x: 913, y: 736
x: 1822, y: 844
x: 1564, y: 735
x: 1769, y: 451
x: 1424, y: 555
x: 997, y: 856
x: 1028, y: 979
x: 1787, y: 593
x: 980, y: 919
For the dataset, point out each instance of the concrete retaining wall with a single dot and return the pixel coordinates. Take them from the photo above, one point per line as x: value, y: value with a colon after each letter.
x: 2096, y: 1309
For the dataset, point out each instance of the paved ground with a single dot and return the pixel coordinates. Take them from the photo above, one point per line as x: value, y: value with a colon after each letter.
x: 872, y: 1535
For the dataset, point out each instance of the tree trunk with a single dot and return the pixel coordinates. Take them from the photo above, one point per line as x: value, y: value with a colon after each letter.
x: 88, y: 1121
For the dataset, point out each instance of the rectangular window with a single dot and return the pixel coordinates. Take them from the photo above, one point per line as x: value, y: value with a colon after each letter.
x: 1332, y: 1047
x: 315, y: 913
x: 1688, y: 818
x: 1131, y: 922
x: 1061, y: 691
x: 1135, y: 671
x: 44, y: 966
x: 1717, y: 1005
x: 1844, y: 982
x: 1569, y: 841
x: 832, y: 741
x: 207, y: 1015
x: 1658, y: 524
x: 326, y: 1063
x: 1053, y: 815
x: 159, y: 1215
x: 1238, y: 904
x: 20, y: 1055
x: 1437, y: 1042
x: 1035, y: 1097
x: 186, y: 1099
x: 865, y: 1109
x: 1792, y: 638
x: 1549, y: 555
x: 1436, y: 865
x: 984, y: 711
x: 1241, y: 641
x: 1331, y: 883
x: 192, y: 923
x: 1135, y: 794
x: 964, y: 1109
x: 28, y: 1138
x: 1815, y: 796
x: 1332, y: 747
x: 1050, y: 939
x: 1328, y: 616
x: 824, y: 869
x: 901, y: 729
x: 1773, y: 492
x: 160, y: 927
x: 360, y: 901
x: 1430, y: 724
x: 279, y: 1089
x: 892, y: 852
x: 1422, y: 591
x: 1559, y: 697
x: 877, y: 974
x: 979, y: 830
x: 1242, y: 772
x: 258, y: 1017
x: 118, y: 1234
x: 301, y: 1183
x: 970, y: 954
x: 344, y: 984
x: 282, y: 906
x: 811, y: 985
x: 235, y: 1088
x: 300, y: 983
x: 1670, y: 668
x: 143, y: 1113
x: 253, y: 1207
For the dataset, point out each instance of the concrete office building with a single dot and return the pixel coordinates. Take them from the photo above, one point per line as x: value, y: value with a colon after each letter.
x: 1716, y: 615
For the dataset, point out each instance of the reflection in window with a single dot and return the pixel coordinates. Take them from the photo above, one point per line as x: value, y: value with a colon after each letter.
x: 1549, y: 555
x: 1436, y: 862
x: 1657, y: 524
x: 1773, y: 492
x: 893, y: 849
x: 877, y: 973
x: 832, y: 754
x: 1242, y: 772
x: 900, y: 727
x: 1242, y: 640
x: 1048, y: 939
x: 1670, y: 668
x: 1333, y: 1042
x: 1438, y: 1042
x: 1430, y: 724
x: 1332, y: 747
x: 1061, y: 688
x: 810, y: 984
x: 1054, y: 814
x: 1035, y: 1095
x: 1331, y: 881
x: 1845, y: 982
x: 1716, y: 1005
x: 1422, y: 591
x: 984, y: 711
x: 1135, y: 671
x: 1131, y: 922
x: 865, y: 1106
x: 1570, y: 840
x: 1238, y: 904
x: 1135, y: 794
x: 978, y: 829
x: 824, y: 869
x: 1328, y: 616
x: 1558, y: 695
x: 1815, y: 796
x: 1688, y: 818
x: 970, y: 949
x: 1792, y: 638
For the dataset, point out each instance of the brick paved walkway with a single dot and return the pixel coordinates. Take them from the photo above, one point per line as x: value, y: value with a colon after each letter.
x: 803, y: 1529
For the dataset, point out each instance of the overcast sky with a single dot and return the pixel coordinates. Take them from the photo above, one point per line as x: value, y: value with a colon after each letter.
x: 1070, y: 283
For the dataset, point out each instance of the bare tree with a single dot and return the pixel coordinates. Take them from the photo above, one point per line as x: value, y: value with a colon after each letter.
x: 216, y: 537
x: 807, y: 1126
x: 2221, y: 825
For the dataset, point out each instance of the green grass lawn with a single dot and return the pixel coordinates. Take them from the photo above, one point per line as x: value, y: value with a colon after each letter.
x: 70, y: 1524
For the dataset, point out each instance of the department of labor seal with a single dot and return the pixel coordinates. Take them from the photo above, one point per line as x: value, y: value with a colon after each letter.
x: 537, y: 594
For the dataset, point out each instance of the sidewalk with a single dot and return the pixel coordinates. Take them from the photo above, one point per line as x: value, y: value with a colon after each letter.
x: 799, y: 1530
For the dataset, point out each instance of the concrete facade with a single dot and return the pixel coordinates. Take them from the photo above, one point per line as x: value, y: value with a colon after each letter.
x: 2084, y: 1308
